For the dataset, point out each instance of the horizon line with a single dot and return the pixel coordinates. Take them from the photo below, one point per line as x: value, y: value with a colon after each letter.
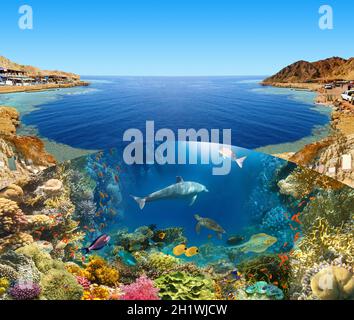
x: 175, y: 76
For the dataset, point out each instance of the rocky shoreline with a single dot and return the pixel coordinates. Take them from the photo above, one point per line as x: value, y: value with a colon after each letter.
x: 21, y: 157
x: 326, y: 154
x: 42, y: 87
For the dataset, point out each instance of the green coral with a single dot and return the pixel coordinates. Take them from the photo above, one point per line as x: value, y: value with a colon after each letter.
x: 162, y: 262
x: 42, y: 260
x: 182, y: 286
x: 4, y: 285
x: 56, y: 282
x: 335, y: 206
x: 60, y: 285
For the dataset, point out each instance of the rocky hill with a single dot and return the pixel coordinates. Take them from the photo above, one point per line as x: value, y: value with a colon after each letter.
x: 34, y: 71
x: 334, y: 68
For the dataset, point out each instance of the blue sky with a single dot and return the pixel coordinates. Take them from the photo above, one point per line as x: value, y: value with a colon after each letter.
x: 170, y: 37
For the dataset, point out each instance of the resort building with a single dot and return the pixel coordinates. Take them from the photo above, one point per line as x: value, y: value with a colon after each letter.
x: 13, y: 77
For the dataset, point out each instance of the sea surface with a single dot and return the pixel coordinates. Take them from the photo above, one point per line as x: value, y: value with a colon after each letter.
x: 96, y: 117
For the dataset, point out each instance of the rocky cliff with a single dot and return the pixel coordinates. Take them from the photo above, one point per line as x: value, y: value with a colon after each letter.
x: 20, y: 156
x: 324, y: 70
x: 34, y: 71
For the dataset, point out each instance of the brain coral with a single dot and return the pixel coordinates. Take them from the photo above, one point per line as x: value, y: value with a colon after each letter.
x: 333, y: 283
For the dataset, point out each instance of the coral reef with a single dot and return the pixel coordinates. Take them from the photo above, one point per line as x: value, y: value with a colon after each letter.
x: 58, y: 284
x: 142, y: 289
x: 99, y: 272
x: 12, y: 219
x: 25, y: 291
x: 333, y: 283
x: 182, y: 286
x: 4, y: 285
x: 263, y: 288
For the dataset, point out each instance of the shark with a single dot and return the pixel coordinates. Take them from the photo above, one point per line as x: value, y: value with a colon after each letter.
x: 180, y: 190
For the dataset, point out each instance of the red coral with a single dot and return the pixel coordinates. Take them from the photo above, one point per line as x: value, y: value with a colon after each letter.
x: 142, y: 289
x: 83, y: 282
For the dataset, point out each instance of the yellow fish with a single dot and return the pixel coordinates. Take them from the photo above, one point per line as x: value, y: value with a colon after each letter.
x: 192, y: 251
x: 179, y: 250
x: 162, y: 235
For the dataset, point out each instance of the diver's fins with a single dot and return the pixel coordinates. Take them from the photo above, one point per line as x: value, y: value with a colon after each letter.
x: 193, y: 200
x: 240, y: 161
x: 140, y: 202
x: 197, y: 228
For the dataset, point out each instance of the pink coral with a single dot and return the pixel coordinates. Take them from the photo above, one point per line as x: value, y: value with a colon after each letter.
x: 83, y: 282
x: 142, y: 289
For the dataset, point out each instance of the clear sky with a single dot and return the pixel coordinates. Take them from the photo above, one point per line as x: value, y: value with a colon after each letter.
x: 174, y: 37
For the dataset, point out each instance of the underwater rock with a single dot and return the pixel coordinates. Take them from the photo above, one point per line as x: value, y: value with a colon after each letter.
x: 333, y: 283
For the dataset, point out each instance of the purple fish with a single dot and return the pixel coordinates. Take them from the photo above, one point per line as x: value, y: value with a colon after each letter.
x: 98, y: 244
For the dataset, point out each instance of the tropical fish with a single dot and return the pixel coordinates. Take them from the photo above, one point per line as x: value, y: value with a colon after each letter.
x: 283, y: 258
x: 236, y: 274
x: 297, y: 236
x: 210, y: 236
x: 116, y: 178
x: 209, y: 224
x: 295, y: 218
x: 127, y: 258
x: 102, y: 195
x: 179, y: 250
x: 234, y: 240
x: 181, y: 189
x: 98, y: 243
x: 258, y: 243
x: 192, y: 251
x: 161, y: 235
x: 226, y: 152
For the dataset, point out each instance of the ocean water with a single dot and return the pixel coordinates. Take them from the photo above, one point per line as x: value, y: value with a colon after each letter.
x: 244, y: 202
x: 96, y: 117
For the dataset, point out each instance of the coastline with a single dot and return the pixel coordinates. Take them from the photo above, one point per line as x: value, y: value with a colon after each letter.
x: 42, y: 87
x: 325, y: 154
